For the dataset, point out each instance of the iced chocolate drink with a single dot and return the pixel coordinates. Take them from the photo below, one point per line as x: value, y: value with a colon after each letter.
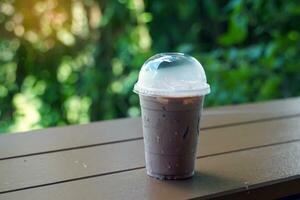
x: 171, y: 88
x: 171, y: 128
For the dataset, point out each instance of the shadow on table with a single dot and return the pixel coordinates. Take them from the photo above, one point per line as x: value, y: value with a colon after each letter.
x: 201, y: 184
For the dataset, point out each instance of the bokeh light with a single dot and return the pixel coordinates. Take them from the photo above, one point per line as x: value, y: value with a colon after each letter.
x: 75, y: 61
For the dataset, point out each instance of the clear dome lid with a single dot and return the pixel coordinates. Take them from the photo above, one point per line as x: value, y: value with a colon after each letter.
x: 172, y: 75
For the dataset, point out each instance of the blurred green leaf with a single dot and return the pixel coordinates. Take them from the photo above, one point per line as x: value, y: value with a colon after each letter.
x: 76, y: 61
x: 237, y: 31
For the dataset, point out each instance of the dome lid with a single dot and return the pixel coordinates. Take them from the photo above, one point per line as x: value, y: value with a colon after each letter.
x: 172, y: 75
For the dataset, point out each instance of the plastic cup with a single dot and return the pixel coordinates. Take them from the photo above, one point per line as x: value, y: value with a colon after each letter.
x: 171, y: 87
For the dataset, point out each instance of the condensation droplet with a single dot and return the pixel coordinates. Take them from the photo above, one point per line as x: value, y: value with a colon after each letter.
x: 176, y: 120
x: 175, y: 133
x: 157, y: 138
x: 169, y: 166
x: 176, y: 165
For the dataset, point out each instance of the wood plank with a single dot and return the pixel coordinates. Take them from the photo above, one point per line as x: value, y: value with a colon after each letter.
x: 216, y: 175
x: 288, y: 189
x: 67, y: 165
x: 72, y: 137
x: 51, y: 139
x: 244, y: 113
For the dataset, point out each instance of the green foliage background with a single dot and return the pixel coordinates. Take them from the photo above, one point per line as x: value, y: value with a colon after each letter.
x: 75, y: 61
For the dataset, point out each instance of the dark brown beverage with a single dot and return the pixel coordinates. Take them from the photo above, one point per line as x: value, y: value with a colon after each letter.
x: 171, y: 129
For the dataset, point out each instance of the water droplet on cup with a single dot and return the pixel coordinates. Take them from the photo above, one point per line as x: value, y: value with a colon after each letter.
x: 176, y: 165
x: 169, y: 166
x: 175, y: 133
x: 157, y: 138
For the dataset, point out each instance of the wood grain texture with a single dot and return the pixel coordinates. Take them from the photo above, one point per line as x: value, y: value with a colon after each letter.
x: 216, y: 176
x: 55, y: 167
x: 93, y: 134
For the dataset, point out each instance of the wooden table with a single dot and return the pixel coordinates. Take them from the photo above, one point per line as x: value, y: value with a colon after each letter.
x: 249, y: 151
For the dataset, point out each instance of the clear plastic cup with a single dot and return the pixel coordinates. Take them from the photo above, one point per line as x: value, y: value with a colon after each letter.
x: 171, y: 87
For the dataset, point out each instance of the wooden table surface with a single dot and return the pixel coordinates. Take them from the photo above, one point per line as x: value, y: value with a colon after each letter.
x: 247, y: 151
